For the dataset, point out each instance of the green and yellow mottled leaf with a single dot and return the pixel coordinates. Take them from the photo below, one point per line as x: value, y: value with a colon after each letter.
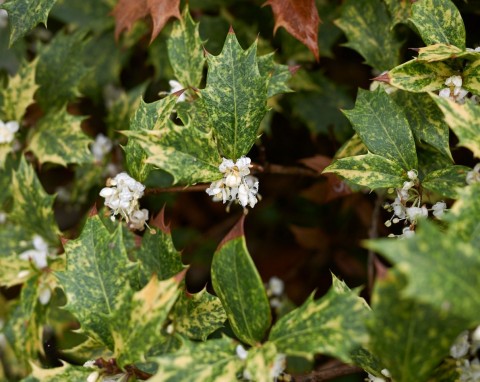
x: 238, y: 285
x: 445, y: 182
x: 278, y: 75
x: 399, y: 10
x: 122, y: 108
x: 383, y: 127
x: 198, y: 315
x: 353, y: 147
x: 333, y: 325
x: 368, y: 27
x: 438, y: 21
x: 439, y: 52
x: 471, y: 77
x: 369, y: 170
x: 260, y: 361
x: 235, y: 97
x: 14, y: 270
x: 213, y: 361
x: 59, y: 139
x: 464, y: 121
x: 89, y: 349
x: 64, y: 373
x: 24, y: 15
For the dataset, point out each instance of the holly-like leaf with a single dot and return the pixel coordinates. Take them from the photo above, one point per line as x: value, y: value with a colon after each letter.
x: 24, y: 15
x: 213, y: 361
x: 238, y: 285
x: 383, y: 127
x: 446, y: 181
x: 279, y: 75
x: 66, y: 372
x: 18, y: 95
x: 370, y: 18
x: 14, y: 270
x: 463, y: 120
x: 59, y: 139
x: 471, y: 77
x: 438, y: 21
x: 235, y: 97
x: 32, y: 207
x: 369, y: 170
x: 300, y: 19
x: 333, y: 325
x: 127, y: 12
x: 260, y: 361
x: 354, y: 146
x: 399, y: 11
x: 439, y: 52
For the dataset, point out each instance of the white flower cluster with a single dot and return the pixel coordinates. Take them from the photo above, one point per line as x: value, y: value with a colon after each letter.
x: 455, y: 92
x: 101, y: 147
x: 236, y: 185
x: 408, y: 207
x: 7, y: 131
x: 38, y: 255
x: 275, y: 289
x: 465, y: 351
x: 372, y: 378
x: 121, y: 196
x: 474, y: 175
x: 276, y: 369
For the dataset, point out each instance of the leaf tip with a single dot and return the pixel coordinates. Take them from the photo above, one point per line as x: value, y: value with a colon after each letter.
x: 384, y: 77
x: 230, y: 30
x: 236, y: 231
x: 93, y: 211
x: 293, y: 69
x: 159, y: 222
x: 180, y: 276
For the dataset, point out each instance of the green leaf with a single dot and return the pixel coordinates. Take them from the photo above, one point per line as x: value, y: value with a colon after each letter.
x: 471, y: 77
x: 260, y: 361
x: 18, y: 95
x: 369, y: 170
x: 463, y: 120
x: 368, y: 27
x: 185, y: 51
x: 212, y: 361
x: 333, y: 325
x: 446, y: 181
x: 11, y: 267
x: 235, y: 97
x: 59, y: 374
x: 91, y: 14
x: 198, y: 315
x: 278, y: 75
x: 59, y: 139
x: 439, y: 52
x: 438, y: 21
x: 399, y: 11
x: 425, y: 120
x: 238, y: 285
x: 24, y: 15
x: 32, y: 207
x: 383, y: 127
x: 353, y: 147
x: 89, y: 349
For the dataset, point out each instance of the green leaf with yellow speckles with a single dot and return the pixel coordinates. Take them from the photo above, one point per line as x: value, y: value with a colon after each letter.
x: 32, y: 207
x: 333, y: 325
x: 445, y: 182
x: 471, y: 77
x: 354, y: 146
x: 13, y: 269
x: 185, y: 51
x: 213, y: 361
x: 24, y: 15
x: 463, y: 120
x: 59, y: 139
x: 238, y: 285
x: 368, y: 27
x: 399, y: 10
x: 198, y: 315
x: 383, y: 127
x: 260, y: 361
x: 438, y: 21
x: 278, y: 75
x: 18, y: 95
x: 369, y: 170
x: 439, y: 52
x: 66, y: 372
x: 235, y: 97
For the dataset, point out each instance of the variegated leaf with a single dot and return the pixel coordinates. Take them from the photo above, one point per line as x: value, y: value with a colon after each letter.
x: 122, y: 110
x: 260, y: 361
x: 89, y: 349
x: 13, y: 239
x: 383, y: 127
x: 438, y: 21
x: 439, y: 52
x: 446, y: 181
x: 369, y: 170
x: 333, y: 325
x: 14, y: 270
x: 66, y: 372
x: 278, y: 75
x: 353, y: 147
x: 471, y: 77
x: 235, y: 97
x: 238, y: 285
x: 399, y: 10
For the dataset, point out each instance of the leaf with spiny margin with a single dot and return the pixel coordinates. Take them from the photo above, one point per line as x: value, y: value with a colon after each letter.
x: 18, y: 95
x: 11, y: 267
x: 463, y: 120
x: 59, y: 139
x: 399, y: 11
x: 353, y: 147
x: 368, y: 28
x: 149, y: 116
x: 410, y: 329
x: 14, y: 239
x: 185, y: 51
x: 235, y: 97
x: 440, y: 52
x: 95, y: 278
x: 61, y: 69
x: 370, y: 170
x: 438, y: 21
x: 238, y: 285
x: 439, y: 267
x: 383, y: 127
x: 198, y: 315
x: 333, y: 325
x: 32, y: 206
x: 123, y: 108
x: 279, y: 75
x: 137, y: 321
x: 213, y: 361
x: 419, y: 76
x: 471, y: 77
x: 425, y: 120
x: 446, y: 181
x: 260, y: 361
x: 24, y: 15
x: 89, y: 349
x: 66, y: 372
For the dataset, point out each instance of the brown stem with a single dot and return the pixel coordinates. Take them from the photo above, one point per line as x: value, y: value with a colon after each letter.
x: 328, y: 374
x: 161, y: 190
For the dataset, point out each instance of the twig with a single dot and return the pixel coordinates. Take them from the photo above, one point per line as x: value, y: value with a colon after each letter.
x: 328, y: 374
x: 161, y: 190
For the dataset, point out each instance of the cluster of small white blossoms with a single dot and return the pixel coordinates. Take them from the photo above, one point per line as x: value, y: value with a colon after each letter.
x: 474, y: 175
x: 372, y: 378
x: 276, y: 370
x: 237, y: 185
x: 465, y: 351
x: 275, y: 289
x: 121, y: 196
x: 407, y: 206
x: 101, y: 147
x: 455, y: 92
x: 7, y: 131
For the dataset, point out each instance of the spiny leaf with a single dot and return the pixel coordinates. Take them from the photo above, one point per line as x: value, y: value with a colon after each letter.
x: 439, y: 52
x: 471, y: 77
x: 279, y: 75
x: 66, y: 372
x: 13, y: 269
x: 399, y: 11
x: 260, y: 361
x: 300, y: 19
x: 446, y: 181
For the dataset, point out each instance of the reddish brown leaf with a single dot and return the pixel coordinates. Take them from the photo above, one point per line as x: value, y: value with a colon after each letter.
x: 300, y: 19
x: 161, y: 11
x: 159, y: 222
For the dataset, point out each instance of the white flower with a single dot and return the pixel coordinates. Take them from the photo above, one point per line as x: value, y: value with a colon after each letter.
x: 276, y: 286
x: 3, y: 18
x: 469, y: 371
x: 439, y: 209
x: 39, y: 254
x: 415, y: 213
x: 386, y: 373
x: 278, y: 366
x: 93, y: 377
x: 241, y: 352
x: 45, y: 294
x: 407, y: 233
x: 124, y: 377
x: 474, y: 175
x: 175, y: 86
x: 476, y: 335
x: 412, y: 174
x: 138, y: 219
x: 3, y: 217
x: 7, y: 131
x: 372, y: 378
x: 461, y: 345
x: 477, y: 49
x: 444, y: 93
x: 101, y: 147
x: 454, y: 81
x: 454, y: 92
x: 276, y: 303
x: 90, y: 364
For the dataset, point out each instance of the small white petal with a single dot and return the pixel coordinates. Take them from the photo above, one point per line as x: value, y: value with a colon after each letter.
x: 241, y: 352
x: 44, y: 295
x: 93, y: 377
